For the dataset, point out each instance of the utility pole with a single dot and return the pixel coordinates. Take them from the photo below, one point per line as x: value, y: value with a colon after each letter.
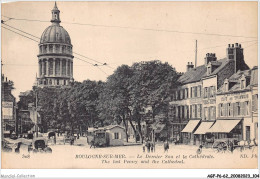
x: 36, y: 107
x: 196, y: 54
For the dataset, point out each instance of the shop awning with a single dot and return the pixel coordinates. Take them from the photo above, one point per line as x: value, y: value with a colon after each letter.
x: 224, y: 126
x: 203, y: 127
x: 192, y: 124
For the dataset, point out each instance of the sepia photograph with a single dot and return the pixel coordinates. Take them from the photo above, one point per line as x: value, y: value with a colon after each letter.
x: 129, y: 85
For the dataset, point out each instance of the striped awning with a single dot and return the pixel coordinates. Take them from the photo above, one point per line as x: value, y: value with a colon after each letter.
x: 224, y: 126
x: 204, y: 127
x: 190, y: 127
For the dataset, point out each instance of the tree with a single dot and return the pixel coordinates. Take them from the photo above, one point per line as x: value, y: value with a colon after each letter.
x: 151, y: 85
x: 114, y: 99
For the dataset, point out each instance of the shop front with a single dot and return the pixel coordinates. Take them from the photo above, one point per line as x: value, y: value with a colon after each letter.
x: 188, y: 136
x: 203, y: 134
x: 227, y: 128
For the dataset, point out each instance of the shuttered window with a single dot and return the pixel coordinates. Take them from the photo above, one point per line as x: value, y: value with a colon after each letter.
x: 199, y: 91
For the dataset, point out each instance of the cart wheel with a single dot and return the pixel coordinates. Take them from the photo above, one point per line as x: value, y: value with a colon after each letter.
x: 48, y: 150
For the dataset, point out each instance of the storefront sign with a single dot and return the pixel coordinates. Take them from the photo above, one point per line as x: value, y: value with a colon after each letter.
x: 209, y: 101
x: 7, y: 109
x: 231, y: 97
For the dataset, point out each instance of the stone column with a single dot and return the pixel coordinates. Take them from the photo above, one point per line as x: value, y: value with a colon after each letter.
x: 39, y: 63
x: 47, y: 67
x: 71, y: 68
x: 42, y: 62
x: 54, y: 66
x: 60, y: 66
x: 66, y: 67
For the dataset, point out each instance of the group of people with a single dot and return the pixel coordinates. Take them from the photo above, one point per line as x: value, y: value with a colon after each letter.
x: 150, y: 146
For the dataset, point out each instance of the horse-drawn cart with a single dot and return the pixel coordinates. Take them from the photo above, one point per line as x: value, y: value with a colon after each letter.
x: 225, y: 144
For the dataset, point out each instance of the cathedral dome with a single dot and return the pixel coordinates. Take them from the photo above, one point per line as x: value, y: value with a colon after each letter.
x: 55, y: 34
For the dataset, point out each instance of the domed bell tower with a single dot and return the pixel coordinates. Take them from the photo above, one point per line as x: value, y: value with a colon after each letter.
x: 55, y: 59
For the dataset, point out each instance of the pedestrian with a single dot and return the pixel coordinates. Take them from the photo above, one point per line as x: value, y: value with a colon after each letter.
x: 144, y: 147
x: 152, y: 147
x: 92, y: 143
x: 166, y: 146
x: 148, y: 145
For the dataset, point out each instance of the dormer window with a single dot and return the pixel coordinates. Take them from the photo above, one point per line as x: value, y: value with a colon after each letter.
x: 243, y: 82
x: 209, y: 70
x: 226, y: 84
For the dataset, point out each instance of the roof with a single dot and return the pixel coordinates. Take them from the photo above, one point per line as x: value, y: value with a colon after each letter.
x: 26, y: 93
x: 196, y: 74
x: 254, y: 76
x: 234, y: 81
x: 55, y: 34
x: 113, y: 126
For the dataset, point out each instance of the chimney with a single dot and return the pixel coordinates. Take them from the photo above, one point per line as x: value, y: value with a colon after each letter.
x: 190, y: 66
x: 236, y: 53
x: 210, y: 57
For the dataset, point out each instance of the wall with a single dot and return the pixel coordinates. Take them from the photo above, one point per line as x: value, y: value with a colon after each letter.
x: 209, y: 102
x: 122, y: 136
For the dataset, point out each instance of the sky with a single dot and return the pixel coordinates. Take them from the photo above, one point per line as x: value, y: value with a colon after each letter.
x: 119, y: 33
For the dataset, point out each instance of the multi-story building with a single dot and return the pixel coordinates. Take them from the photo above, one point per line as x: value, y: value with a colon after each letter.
x: 236, y: 118
x: 8, y: 106
x: 193, y: 108
x: 254, y: 90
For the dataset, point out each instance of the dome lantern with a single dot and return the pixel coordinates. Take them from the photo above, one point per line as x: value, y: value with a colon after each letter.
x: 55, y: 15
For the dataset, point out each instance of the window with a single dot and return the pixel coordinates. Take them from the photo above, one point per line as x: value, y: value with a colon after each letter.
x: 116, y: 135
x: 212, y: 91
x: 205, y: 92
x: 195, y: 92
x: 247, y: 108
x: 206, y: 113
x: 221, y: 109
x: 255, y: 103
x: 181, y: 94
x: 182, y: 111
x: 237, y: 107
x: 190, y: 111
x: 226, y: 87
x: 229, y: 110
x: 58, y: 82
x: 194, y: 108
x: 50, y: 48
x: 209, y: 70
x: 188, y: 114
x: 199, y: 110
x: 176, y: 95
x: 55, y: 15
x: 187, y: 92
x: 177, y: 111
x: 212, y: 112
x: 191, y: 95
x: 199, y: 91
x: 243, y: 84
